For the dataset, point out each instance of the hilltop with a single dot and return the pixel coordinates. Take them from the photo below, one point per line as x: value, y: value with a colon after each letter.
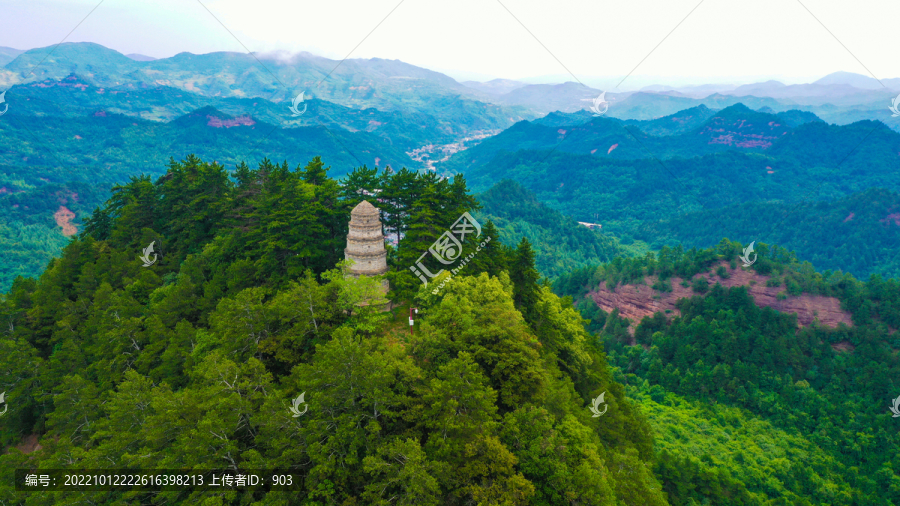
x: 738, y: 381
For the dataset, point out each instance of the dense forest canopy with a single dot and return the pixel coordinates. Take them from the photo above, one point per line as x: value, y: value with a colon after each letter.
x: 560, y: 243
x: 65, y: 141
x: 191, y: 363
x: 828, y: 192
x: 728, y: 363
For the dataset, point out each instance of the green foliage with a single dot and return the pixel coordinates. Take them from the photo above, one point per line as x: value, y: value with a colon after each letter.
x: 524, y: 277
x: 192, y: 361
x: 700, y: 285
x: 559, y: 243
x: 742, y: 369
x: 705, y: 187
x: 662, y: 285
x: 857, y: 233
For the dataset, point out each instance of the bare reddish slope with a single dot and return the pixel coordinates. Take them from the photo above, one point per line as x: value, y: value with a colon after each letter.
x: 637, y: 301
x: 63, y: 217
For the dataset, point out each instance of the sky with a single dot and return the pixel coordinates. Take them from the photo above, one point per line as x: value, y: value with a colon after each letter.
x: 598, y: 43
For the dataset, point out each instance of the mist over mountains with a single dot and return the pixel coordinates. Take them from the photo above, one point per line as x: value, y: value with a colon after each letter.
x: 840, y: 97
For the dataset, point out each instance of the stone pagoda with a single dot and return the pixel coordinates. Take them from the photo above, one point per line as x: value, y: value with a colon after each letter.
x: 365, y: 242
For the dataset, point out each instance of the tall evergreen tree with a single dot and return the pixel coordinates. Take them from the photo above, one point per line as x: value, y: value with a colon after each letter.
x: 525, y: 277
x: 494, y: 255
x: 360, y: 184
x: 193, y: 199
x: 426, y: 224
x: 399, y: 192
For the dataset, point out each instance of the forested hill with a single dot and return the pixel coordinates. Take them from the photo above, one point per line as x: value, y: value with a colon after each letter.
x: 69, y: 135
x: 802, y: 188
x: 858, y: 234
x: 764, y: 408
x: 387, y: 85
x: 192, y: 361
x: 560, y: 244
x: 689, y: 133
x: 53, y: 166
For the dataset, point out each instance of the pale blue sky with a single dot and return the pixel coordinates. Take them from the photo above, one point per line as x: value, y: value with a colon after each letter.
x: 599, y: 42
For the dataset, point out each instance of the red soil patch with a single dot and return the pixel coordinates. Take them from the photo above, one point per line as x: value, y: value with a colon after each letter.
x: 754, y: 143
x: 637, y: 301
x: 228, y: 123
x: 80, y: 86
x: 893, y: 216
x: 849, y: 217
x: 64, y: 218
x: 722, y: 139
x: 594, y: 151
x: 29, y: 444
x: 843, y: 346
x: 611, y: 148
x: 735, y: 132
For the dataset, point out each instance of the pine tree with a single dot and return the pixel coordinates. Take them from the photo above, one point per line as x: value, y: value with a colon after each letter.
x: 494, y: 255
x: 525, y: 277
x: 425, y: 226
x: 360, y: 184
x: 399, y: 192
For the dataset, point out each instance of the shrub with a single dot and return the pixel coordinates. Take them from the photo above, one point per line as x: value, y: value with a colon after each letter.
x: 662, y: 286
x: 722, y: 272
x: 701, y: 285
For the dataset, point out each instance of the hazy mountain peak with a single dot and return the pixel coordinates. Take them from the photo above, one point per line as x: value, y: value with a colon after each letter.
x: 140, y: 57
x: 851, y: 79
x: 495, y: 86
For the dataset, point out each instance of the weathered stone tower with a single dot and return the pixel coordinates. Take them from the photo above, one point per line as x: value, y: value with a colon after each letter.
x: 365, y: 242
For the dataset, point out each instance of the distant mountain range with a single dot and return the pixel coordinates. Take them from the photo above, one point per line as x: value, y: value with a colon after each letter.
x: 89, y: 117
x: 840, y: 97
x: 786, y: 178
x: 384, y: 84
x: 692, y: 132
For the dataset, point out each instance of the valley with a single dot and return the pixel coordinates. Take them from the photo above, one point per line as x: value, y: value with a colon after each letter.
x: 187, y: 280
x: 429, y: 153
